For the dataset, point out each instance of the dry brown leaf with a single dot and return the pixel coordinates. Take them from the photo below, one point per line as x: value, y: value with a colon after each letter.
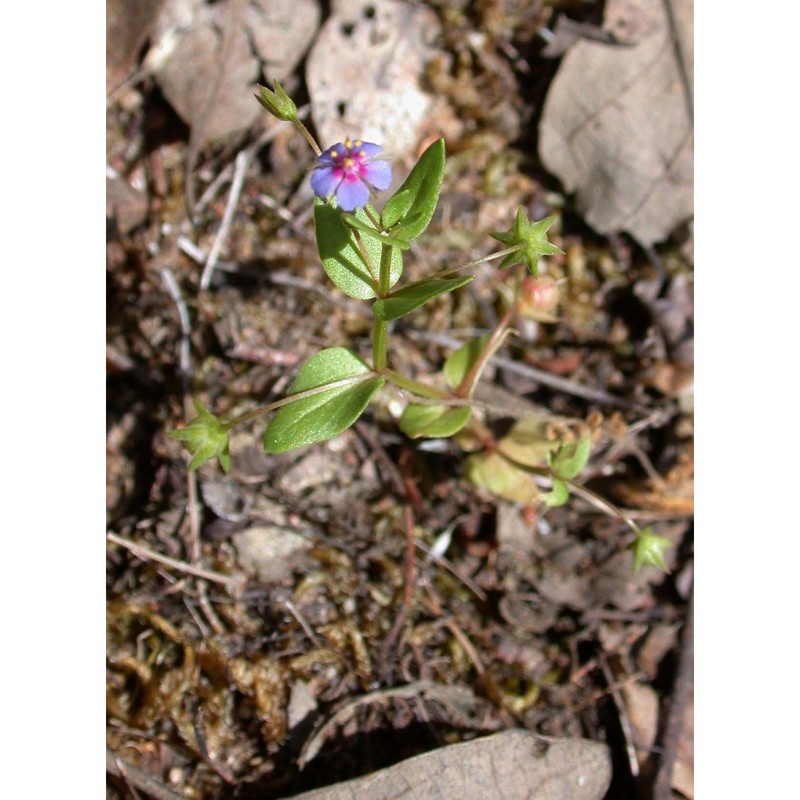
x: 617, y: 123
x: 504, y: 765
x: 215, y: 53
x: 364, y: 71
x: 128, y: 26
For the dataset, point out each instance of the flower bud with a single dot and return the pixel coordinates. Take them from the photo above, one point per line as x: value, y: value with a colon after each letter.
x: 205, y: 437
x: 649, y: 549
x: 278, y: 103
x: 538, y: 298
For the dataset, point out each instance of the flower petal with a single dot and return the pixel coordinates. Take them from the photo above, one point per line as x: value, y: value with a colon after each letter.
x: 378, y: 173
x: 369, y: 148
x: 324, y: 181
x: 326, y: 158
x: 352, y: 193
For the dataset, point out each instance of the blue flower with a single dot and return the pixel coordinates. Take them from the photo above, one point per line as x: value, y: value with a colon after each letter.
x: 348, y: 169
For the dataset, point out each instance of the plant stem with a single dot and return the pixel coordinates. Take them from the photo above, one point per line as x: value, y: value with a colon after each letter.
x: 308, y: 137
x: 467, y: 385
x: 415, y: 386
x: 380, y: 338
x: 380, y: 329
x: 499, y: 254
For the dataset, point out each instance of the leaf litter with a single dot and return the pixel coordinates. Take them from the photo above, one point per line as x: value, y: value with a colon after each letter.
x: 215, y: 688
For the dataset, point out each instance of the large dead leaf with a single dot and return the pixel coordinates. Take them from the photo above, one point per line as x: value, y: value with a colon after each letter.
x: 213, y: 54
x: 364, y: 71
x: 505, y: 765
x: 617, y: 123
x: 128, y: 26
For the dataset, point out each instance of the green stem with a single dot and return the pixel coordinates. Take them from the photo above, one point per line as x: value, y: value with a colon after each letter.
x: 414, y: 386
x: 499, y: 254
x: 589, y: 495
x: 308, y: 137
x: 380, y: 328
x: 380, y: 338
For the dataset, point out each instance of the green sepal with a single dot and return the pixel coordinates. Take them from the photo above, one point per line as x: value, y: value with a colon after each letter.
x: 341, y: 257
x: 205, y: 437
x: 558, y: 495
x: 394, y: 238
x: 532, y: 236
x: 414, y: 295
x: 414, y: 203
x: 571, y: 458
x: 433, y: 422
x: 325, y: 415
x: 649, y: 549
x: 278, y: 103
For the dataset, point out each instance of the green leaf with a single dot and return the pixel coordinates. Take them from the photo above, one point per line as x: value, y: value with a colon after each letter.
x: 326, y: 414
x: 558, y: 495
x: 527, y: 442
x: 571, y: 458
x: 414, y: 295
x: 433, y: 422
x: 341, y: 256
x: 396, y: 206
x: 491, y: 471
x: 461, y: 361
x: 415, y: 201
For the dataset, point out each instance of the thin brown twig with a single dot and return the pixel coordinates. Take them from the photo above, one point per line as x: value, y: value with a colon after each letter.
x: 624, y: 721
x: 408, y: 588
x: 679, y: 700
x: 232, y: 583
x: 137, y: 777
x: 241, y: 164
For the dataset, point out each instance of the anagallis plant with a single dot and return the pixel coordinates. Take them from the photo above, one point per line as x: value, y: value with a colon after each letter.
x: 362, y: 250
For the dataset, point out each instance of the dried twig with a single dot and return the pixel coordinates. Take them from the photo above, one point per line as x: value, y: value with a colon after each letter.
x: 240, y: 168
x: 679, y: 700
x: 624, y: 721
x: 137, y: 777
x: 233, y: 584
x: 408, y: 588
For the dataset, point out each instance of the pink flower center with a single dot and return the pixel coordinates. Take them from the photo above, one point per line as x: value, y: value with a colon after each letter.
x: 350, y: 165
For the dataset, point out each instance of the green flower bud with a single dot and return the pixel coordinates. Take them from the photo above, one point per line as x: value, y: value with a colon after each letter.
x: 278, y: 103
x: 532, y: 236
x: 649, y: 549
x: 205, y: 437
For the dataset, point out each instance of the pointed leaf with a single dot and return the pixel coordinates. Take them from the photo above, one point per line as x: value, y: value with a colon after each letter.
x: 527, y: 442
x: 414, y: 295
x: 461, y: 361
x: 325, y: 415
x: 433, y: 422
x: 341, y: 256
x: 558, y: 495
x: 571, y: 458
x: 419, y: 195
x: 491, y: 471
